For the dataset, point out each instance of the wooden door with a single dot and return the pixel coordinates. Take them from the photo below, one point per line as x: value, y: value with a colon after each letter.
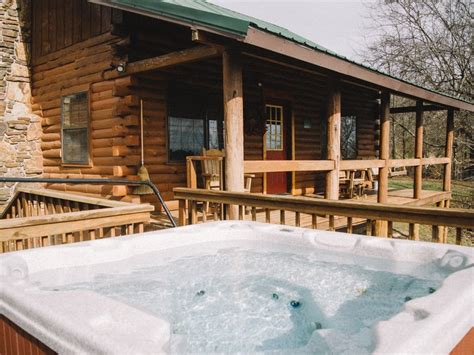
x: 276, y: 147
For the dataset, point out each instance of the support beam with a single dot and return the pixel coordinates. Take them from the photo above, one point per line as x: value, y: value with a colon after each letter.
x: 167, y: 60
x: 333, y: 138
x: 409, y: 109
x: 381, y: 227
x: 234, y: 124
x: 418, y: 150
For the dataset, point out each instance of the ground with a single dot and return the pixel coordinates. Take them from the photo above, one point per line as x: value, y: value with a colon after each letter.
x: 463, y: 197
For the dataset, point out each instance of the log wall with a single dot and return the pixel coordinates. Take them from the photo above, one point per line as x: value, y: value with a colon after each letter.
x: 76, y: 63
x: 114, y: 104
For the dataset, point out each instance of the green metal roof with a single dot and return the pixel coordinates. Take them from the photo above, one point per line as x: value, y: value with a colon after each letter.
x: 204, y: 13
x: 214, y: 16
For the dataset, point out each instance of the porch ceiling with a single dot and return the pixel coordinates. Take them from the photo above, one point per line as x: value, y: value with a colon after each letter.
x: 201, y: 14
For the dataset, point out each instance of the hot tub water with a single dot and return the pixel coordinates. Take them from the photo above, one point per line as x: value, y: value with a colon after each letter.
x: 239, y: 300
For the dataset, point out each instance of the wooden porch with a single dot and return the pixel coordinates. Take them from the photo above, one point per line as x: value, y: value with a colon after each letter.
x: 351, y: 216
x: 402, y: 197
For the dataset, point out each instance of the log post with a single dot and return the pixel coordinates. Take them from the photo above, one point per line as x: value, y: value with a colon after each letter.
x: 333, y: 139
x: 417, y: 185
x: 234, y: 124
x: 448, y: 153
x: 418, y: 150
x: 449, y: 150
x: 381, y: 227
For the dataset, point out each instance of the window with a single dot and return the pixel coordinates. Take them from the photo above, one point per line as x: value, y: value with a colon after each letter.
x: 274, y: 133
x: 75, y: 128
x: 194, y: 122
x: 348, y: 137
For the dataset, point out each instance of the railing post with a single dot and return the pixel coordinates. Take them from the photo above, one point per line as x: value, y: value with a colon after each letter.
x: 191, y: 177
x: 333, y: 139
x: 381, y: 227
x: 448, y: 167
x: 182, y: 212
x: 418, y: 182
x: 234, y: 124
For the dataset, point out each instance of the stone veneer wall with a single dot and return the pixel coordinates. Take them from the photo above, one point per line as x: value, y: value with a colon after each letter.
x: 20, y: 129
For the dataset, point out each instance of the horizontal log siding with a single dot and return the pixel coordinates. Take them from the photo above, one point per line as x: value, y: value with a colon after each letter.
x: 113, y: 125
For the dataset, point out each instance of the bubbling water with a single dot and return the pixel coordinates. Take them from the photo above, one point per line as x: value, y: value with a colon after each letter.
x: 245, y: 301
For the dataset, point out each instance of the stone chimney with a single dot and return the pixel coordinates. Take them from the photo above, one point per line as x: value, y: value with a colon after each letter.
x: 20, y: 129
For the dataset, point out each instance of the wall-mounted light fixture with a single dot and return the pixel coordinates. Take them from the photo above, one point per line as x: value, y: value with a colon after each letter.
x: 121, y: 67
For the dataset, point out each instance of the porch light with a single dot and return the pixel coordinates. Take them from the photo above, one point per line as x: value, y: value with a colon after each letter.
x: 121, y: 67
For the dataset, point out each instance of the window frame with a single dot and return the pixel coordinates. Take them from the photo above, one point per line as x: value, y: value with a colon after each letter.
x: 177, y: 88
x: 87, y: 163
x: 282, y: 134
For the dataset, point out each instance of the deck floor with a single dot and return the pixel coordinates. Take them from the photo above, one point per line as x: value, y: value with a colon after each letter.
x: 396, y: 197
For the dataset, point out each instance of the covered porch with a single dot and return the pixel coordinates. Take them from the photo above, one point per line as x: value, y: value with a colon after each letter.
x: 295, y: 117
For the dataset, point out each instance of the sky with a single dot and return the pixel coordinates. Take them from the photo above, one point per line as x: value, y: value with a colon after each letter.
x: 336, y: 25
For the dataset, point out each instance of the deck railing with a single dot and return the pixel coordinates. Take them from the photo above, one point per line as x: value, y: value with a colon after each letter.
x: 317, y: 208
x: 42, y: 217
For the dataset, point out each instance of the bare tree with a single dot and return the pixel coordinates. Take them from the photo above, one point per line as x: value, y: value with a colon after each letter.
x: 429, y: 43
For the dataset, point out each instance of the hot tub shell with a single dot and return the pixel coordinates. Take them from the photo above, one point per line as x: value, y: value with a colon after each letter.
x: 86, y: 322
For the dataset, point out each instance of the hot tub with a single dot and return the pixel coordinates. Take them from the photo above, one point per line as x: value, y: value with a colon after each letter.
x: 241, y: 287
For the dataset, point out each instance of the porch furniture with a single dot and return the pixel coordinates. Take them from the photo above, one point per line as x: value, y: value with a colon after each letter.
x: 212, y: 169
x: 213, y: 172
x: 398, y: 171
x: 354, y: 182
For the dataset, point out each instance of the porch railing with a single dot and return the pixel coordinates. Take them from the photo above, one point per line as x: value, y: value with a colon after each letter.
x: 272, y: 166
x: 42, y: 217
x: 317, y: 208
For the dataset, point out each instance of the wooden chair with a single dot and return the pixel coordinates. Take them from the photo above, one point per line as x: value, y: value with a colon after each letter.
x: 354, y: 182
x: 212, y: 169
x: 213, y: 172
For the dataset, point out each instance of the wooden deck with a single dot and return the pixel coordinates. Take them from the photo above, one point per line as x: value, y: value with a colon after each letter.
x: 396, y: 197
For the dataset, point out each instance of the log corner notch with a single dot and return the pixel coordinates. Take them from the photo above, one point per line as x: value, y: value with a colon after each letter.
x: 188, y: 55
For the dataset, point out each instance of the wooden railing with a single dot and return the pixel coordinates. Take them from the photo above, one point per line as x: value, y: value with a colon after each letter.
x: 319, y: 208
x: 271, y: 166
x: 41, y: 217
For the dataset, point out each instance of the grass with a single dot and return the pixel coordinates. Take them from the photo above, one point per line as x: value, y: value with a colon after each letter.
x: 462, y: 197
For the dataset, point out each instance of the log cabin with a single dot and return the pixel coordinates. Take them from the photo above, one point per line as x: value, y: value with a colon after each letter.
x: 276, y: 103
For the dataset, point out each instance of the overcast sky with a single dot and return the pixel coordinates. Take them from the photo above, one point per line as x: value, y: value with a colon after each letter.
x: 336, y: 25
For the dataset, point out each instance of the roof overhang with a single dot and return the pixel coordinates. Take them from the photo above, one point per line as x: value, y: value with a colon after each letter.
x: 343, y: 67
x: 282, y: 46
x: 174, y: 14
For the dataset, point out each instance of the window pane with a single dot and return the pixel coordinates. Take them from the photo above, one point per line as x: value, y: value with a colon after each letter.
x: 186, y: 137
x: 274, y: 133
x: 348, y: 137
x: 75, y: 111
x: 75, y: 121
x: 75, y: 147
x: 213, y: 135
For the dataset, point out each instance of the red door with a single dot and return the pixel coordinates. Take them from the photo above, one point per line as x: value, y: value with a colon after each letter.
x: 275, y: 147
